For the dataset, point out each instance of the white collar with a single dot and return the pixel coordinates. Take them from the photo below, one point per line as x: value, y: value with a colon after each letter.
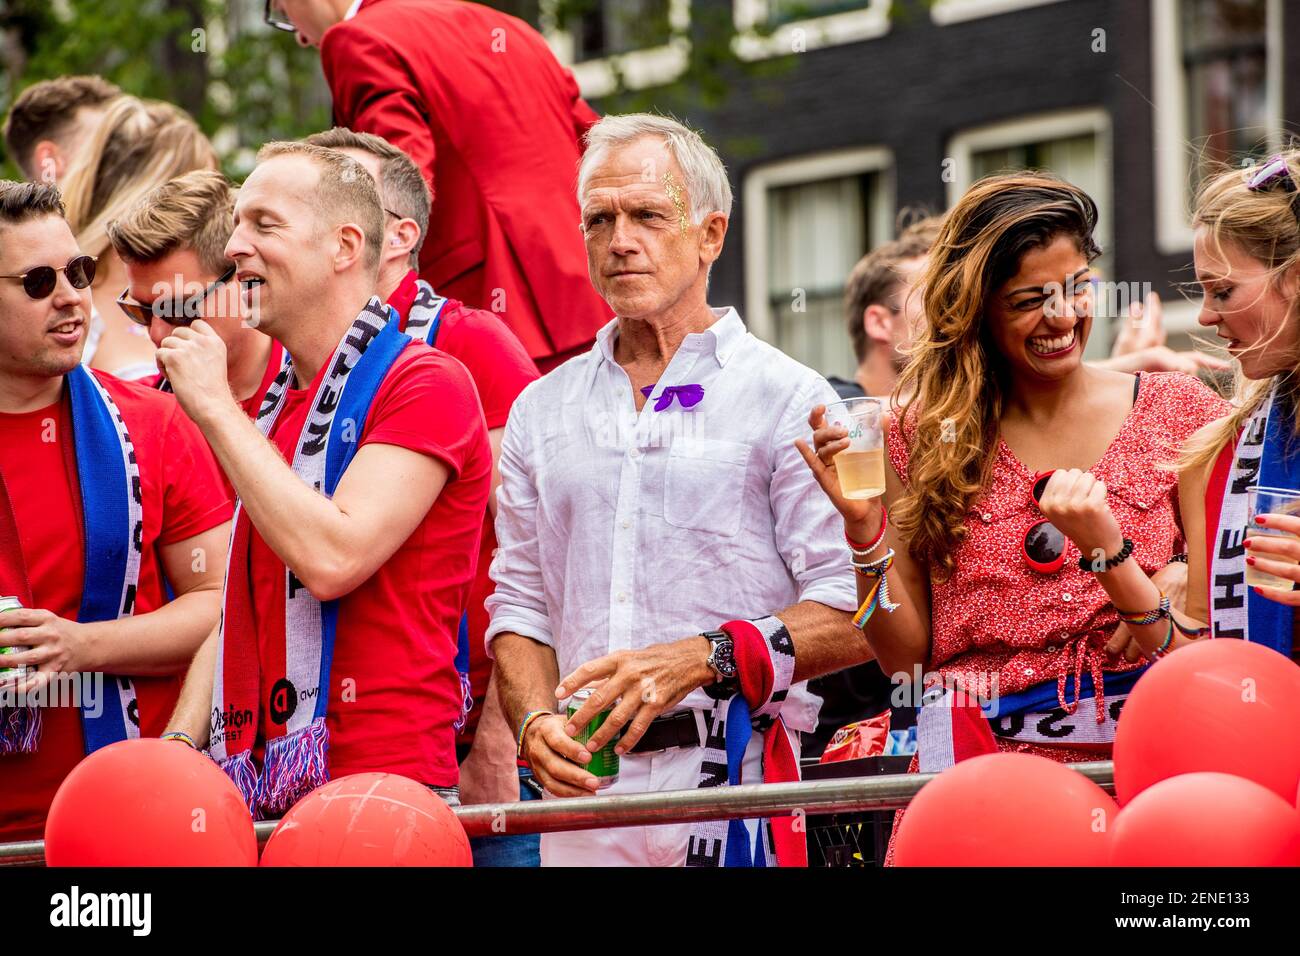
x: 352, y: 10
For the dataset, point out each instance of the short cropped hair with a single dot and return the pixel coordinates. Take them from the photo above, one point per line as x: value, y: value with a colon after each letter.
x: 706, y: 177
x: 402, y: 186
x: 194, y: 211
x: 875, y: 279
x: 346, y: 189
x: 45, y: 110
x: 20, y: 202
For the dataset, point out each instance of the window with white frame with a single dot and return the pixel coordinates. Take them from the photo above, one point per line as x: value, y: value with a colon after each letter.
x: 640, y: 43
x: 1217, y: 70
x: 1073, y: 144
x: 768, y: 28
x: 944, y: 12
x: 807, y: 223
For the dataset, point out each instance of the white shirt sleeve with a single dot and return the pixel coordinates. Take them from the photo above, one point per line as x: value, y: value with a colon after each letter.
x: 518, y: 604
x: 809, y: 531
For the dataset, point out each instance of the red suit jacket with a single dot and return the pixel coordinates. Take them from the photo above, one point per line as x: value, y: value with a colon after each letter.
x: 477, y: 99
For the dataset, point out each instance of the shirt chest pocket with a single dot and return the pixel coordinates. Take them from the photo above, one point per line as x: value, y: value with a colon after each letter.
x: 704, y: 485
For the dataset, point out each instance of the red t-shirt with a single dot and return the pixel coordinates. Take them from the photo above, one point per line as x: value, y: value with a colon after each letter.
x: 395, y: 647
x: 181, y: 487
x: 501, y: 369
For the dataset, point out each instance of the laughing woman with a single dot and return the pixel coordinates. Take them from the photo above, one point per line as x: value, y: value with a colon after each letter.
x: 1247, y: 252
x: 991, y: 599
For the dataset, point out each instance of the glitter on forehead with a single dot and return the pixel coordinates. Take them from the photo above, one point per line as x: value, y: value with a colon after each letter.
x: 674, y: 192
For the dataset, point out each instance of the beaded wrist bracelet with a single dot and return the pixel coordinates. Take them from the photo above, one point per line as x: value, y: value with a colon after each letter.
x: 865, y: 549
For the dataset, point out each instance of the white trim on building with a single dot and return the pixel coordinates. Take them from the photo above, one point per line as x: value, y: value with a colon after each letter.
x: 640, y: 69
x: 832, y: 29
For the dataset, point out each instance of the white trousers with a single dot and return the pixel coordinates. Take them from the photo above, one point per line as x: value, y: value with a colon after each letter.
x: 676, y: 769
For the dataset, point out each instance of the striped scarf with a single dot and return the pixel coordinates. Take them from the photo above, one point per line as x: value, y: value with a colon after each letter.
x: 112, y: 511
x: 284, y: 700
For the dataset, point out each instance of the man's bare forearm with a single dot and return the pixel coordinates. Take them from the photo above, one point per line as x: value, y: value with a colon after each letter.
x: 194, y: 707
x: 527, y: 674
x: 824, y: 638
x: 159, y: 642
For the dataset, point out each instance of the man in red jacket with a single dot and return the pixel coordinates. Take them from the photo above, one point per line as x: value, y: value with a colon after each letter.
x: 494, y: 122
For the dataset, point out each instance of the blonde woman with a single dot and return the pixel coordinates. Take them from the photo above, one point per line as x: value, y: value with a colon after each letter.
x: 136, y: 146
x: 1247, y: 256
x: 986, y: 540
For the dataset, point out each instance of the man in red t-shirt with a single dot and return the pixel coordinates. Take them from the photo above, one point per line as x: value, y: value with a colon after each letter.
x: 173, y: 242
x: 397, y: 543
x: 44, y: 310
x: 501, y: 370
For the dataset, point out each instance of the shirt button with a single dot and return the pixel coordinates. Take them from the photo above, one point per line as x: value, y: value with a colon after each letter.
x: 627, y: 522
x: 621, y: 597
x: 1065, y: 596
x: 634, y: 453
x: 1053, y: 648
x: 986, y: 516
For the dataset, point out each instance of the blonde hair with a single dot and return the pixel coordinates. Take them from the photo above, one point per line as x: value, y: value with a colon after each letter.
x: 1264, y: 224
x: 195, y: 211
x: 137, y: 146
x: 346, y: 189
x: 954, y: 373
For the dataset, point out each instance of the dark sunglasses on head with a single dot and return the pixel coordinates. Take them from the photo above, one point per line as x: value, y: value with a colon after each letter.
x: 1043, y: 547
x: 277, y: 19
x: 172, y: 311
x: 39, y: 283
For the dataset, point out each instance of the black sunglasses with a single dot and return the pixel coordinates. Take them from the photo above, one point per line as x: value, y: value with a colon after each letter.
x: 170, y: 310
x: 277, y: 19
x: 39, y: 283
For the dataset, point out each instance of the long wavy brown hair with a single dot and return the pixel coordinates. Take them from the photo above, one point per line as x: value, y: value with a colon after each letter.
x: 955, y: 376
x: 1265, y: 224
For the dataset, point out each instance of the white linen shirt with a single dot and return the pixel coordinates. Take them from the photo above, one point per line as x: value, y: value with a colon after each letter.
x: 618, y: 531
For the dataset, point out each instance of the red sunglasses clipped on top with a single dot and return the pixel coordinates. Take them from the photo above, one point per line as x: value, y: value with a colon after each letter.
x: 1043, y: 547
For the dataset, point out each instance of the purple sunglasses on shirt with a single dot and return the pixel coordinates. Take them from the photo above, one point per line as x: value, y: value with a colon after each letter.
x: 688, y: 396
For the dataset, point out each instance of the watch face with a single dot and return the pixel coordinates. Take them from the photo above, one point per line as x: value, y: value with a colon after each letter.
x: 724, y: 659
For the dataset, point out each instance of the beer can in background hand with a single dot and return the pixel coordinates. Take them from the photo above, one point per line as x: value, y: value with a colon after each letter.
x: 604, y: 762
x: 11, y: 675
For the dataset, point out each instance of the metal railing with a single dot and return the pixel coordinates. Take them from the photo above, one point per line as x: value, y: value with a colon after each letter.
x: 844, y: 795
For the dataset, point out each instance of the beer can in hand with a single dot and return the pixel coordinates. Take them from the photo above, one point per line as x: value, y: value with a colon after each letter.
x: 604, y: 762
x: 11, y: 675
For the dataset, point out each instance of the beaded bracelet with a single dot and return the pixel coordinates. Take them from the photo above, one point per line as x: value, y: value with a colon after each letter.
x: 865, y: 549
x: 182, y: 737
x: 523, y: 728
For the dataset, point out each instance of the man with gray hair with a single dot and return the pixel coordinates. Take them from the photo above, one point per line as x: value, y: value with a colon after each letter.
x: 659, y: 539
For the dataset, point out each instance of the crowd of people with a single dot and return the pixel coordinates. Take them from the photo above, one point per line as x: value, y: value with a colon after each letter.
x: 372, y: 462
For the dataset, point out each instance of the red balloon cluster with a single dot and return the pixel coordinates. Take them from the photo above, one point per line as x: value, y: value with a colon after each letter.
x: 149, y: 802
x: 1207, y: 772
x: 369, y: 819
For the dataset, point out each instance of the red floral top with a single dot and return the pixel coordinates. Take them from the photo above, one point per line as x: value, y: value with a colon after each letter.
x: 995, y: 619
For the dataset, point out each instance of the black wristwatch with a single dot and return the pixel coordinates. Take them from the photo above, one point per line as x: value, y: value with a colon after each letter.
x: 722, y: 661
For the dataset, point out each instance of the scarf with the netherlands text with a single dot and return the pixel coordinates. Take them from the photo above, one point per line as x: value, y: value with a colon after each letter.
x: 284, y: 700
x: 112, y: 511
x: 764, y: 656
x: 423, y: 320
x: 1265, y: 454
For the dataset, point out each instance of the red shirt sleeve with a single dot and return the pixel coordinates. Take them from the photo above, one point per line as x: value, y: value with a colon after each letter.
x: 374, y: 92
x: 194, y: 495
x: 428, y: 403
x: 494, y: 356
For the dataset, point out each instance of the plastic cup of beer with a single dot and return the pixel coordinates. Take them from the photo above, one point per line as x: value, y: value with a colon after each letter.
x: 1263, y: 501
x: 861, y: 466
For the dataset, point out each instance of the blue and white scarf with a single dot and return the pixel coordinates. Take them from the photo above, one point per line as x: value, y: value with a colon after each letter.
x: 112, y: 509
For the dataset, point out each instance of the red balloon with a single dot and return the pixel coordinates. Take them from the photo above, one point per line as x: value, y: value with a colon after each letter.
x: 149, y: 802
x: 1007, y: 809
x: 369, y: 819
x: 1225, y: 706
x: 1206, y: 819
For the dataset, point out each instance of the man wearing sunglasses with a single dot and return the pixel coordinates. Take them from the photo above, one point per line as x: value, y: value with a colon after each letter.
x: 447, y: 82
x: 107, y: 491
x: 173, y: 242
